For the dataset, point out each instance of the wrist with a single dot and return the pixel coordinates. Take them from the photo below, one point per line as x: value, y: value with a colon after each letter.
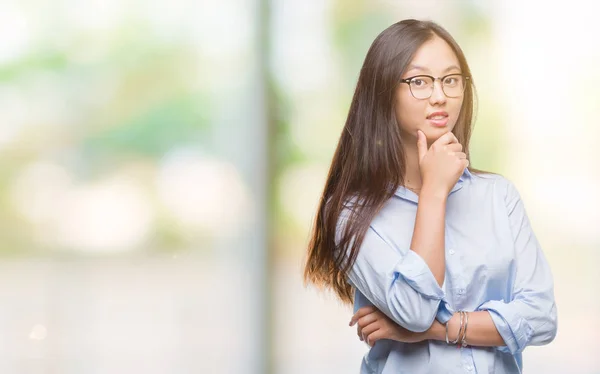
x: 437, y: 331
x: 455, y: 325
x: 433, y: 192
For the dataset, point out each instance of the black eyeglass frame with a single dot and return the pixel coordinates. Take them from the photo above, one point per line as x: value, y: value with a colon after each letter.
x: 409, y: 79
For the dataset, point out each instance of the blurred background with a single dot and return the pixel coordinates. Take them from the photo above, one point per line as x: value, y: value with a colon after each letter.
x: 161, y: 163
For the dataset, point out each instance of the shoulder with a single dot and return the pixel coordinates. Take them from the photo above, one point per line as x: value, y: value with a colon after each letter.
x: 350, y: 206
x: 499, y: 184
x: 355, y: 209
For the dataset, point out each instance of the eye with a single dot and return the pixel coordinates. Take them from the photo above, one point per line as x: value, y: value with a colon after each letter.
x: 452, y: 81
x: 419, y: 82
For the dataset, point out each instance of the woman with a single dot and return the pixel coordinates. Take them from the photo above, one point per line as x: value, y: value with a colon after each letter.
x: 432, y: 253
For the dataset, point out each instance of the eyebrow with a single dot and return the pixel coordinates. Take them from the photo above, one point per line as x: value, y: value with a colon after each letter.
x: 417, y: 67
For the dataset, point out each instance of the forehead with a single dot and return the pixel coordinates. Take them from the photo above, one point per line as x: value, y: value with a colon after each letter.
x: 434, y: 56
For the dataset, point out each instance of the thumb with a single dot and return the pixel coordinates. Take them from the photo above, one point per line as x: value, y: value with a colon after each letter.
x: 421, y: 144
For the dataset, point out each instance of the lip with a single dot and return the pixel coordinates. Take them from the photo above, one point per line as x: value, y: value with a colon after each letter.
x: 445, y: 114
x: 438, y: 122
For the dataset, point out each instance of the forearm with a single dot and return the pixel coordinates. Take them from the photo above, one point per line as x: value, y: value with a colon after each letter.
x: 428, y: 234
x: 481, y: 330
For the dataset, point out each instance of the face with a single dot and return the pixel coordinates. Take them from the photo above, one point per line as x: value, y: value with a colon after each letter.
x: 437, y: 114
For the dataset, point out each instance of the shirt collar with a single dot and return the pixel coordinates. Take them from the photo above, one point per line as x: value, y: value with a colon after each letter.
x: 404, y: 193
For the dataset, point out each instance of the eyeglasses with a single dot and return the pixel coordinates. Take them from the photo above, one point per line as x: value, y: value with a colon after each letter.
x: 421, y: 86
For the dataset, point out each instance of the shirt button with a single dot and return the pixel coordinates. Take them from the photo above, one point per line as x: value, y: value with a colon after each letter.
x: 451, y: 251
x: 461, y: 291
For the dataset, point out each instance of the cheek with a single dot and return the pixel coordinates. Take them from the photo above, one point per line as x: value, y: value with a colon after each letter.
x: 458, y: 106
x: 409, y: 113
x: 456, y: 109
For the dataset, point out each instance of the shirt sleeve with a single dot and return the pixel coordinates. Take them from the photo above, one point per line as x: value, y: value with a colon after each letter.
x: 530, y: 317
x: 399, y: 283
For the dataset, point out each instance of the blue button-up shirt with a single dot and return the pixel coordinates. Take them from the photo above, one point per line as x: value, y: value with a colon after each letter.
x: 493, y: 262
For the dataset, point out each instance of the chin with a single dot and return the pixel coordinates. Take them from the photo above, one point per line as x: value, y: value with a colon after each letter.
x: 434, y: 133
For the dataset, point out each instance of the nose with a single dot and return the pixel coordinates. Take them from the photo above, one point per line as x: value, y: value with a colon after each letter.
x: 437, y: 96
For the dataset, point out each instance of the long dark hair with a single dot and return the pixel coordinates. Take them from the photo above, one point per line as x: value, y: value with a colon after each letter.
x: 369, y: 162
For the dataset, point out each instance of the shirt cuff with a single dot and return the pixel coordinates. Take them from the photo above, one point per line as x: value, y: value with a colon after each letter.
x: 415, y: 272
x: 445, y: 312
x: 514, y: 329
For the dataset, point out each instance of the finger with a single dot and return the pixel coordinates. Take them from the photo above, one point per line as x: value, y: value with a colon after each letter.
x: 359, y: 332
x: 460, y: 155
x: 371, y: 328
x: 453, y: 138
x: 361, y: 312
x: 447, y: 138
x: 454, y: 147
x: 421, y: 144
x: 372, y: 338
x: 368, y: 319
x: 368, y: 322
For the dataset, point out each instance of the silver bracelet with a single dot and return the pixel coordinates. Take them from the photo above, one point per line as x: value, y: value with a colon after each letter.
x: 459, y: 330
x: 447, y: 341
x: 464, y: 337
x: 447, y: 323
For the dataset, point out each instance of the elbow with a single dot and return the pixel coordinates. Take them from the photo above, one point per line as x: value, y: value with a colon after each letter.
x: 547, y: 332
x: 417, y: 316
x: 521, y: 326
x: 551, y: 334
x: 544, y: 335
x: 421, y: 324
